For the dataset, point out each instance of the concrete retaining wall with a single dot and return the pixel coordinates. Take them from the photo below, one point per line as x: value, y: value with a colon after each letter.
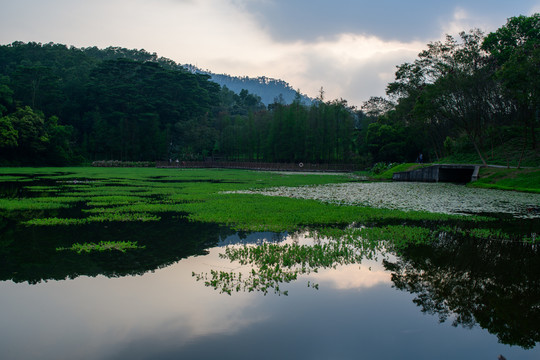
x: 440, y: 173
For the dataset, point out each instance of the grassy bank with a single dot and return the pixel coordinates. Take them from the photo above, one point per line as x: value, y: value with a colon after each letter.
x: 387, y: 174
x: 506, y: 153
x: 526, y: 180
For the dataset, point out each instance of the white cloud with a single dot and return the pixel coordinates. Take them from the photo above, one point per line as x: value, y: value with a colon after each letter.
x: 225, y: 36
x: 356, y: 67
x: 353, y: 67
x: 458, y: 23
x: 461, y: 21
x: 216, y: 35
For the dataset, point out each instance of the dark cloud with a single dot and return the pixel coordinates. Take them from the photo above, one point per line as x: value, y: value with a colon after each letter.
x: 292, y: 20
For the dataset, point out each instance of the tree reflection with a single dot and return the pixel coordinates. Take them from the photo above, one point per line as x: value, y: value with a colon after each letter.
x: 29, y: 254
x: 465, y: 280
x: 270, y: 265
x: 490, y: 283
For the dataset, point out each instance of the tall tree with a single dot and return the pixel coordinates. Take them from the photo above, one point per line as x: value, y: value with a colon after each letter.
x: 451, y: 86
x: 515, y: 47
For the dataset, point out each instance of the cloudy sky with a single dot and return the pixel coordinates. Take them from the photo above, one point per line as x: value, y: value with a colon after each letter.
x: 348, y: 47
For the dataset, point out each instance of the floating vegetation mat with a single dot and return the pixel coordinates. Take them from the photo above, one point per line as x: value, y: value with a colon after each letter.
x: 432, y: 197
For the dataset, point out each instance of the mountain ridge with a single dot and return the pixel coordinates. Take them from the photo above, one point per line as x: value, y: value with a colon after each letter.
x: 269, y: 89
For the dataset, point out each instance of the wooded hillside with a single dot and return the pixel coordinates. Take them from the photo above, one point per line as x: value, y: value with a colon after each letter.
x: 474, y: 98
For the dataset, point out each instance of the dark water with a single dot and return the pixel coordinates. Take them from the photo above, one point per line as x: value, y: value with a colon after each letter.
x: 453, y: 300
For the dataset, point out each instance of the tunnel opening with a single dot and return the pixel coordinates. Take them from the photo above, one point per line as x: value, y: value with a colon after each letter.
x: 455, y: 175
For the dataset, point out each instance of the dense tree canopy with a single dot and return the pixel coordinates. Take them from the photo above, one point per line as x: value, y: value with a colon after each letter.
x: 132, y: 105
x: 63, y: 105
x: 472, y: 90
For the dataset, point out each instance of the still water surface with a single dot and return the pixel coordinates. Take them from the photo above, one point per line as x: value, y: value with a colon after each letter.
x: 384, y: 308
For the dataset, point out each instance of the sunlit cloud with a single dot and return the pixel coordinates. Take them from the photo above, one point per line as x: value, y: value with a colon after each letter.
x: 353, y: 67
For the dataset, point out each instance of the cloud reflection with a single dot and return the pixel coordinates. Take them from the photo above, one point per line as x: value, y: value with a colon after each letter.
x: 111, y: 312
x: 354, y: 276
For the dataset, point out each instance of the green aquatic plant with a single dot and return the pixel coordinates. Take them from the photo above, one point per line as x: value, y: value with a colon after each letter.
x: 533, y: 239
x: 394, y: 236
x: 256, y: 212
x: 114, y: 200
x: 482, y: 234
x: 121, y: 246
x: 32, y: 204
x: 441, y: 198
x: 103, y: 217
x: 257, y: 201
x: 6, y: 178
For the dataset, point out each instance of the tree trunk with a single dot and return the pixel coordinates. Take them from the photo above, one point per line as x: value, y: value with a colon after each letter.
x: 524, y: 147
x: 478, y: 150
x: 505, y: 152
x: 533, y: 129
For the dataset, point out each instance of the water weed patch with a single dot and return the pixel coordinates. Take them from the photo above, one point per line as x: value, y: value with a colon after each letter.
x: 121, y: 246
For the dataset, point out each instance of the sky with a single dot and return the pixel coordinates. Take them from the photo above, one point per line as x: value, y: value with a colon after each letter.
x: 350, y: 48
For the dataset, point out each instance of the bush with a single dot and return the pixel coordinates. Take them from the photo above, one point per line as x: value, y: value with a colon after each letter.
x: 381, y: 167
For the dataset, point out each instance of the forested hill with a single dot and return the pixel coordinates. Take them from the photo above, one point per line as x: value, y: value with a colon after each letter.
x: 474, y: 98
x: 61, y: 105
x: 270, y: 90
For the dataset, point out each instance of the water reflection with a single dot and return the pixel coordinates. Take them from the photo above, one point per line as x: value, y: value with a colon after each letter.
x: 354, y: 277
x: 493, y: 284
x: 29, y: 254
x: 268, y: 266
x: 252, y: 238
x: 166, y: 314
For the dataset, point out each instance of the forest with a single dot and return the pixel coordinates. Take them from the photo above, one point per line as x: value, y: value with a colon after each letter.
x: 472, y: 94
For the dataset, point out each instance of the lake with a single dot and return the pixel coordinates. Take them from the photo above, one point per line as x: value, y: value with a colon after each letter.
x: 196, y: 290
x: 386, y: 307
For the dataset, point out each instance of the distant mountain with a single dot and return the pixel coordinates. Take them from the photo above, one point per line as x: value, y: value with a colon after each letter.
x: 269, y: 89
